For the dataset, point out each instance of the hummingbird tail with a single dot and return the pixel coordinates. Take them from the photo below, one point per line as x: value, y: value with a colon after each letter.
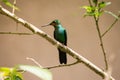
x: 62, y: 57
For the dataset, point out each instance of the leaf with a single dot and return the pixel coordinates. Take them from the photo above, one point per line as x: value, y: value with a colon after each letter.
x: 10, y: 5
x: 112, y: 14
x: 44, y: 74
x: 98, y: 14
x: 90, y: 10
x: 15, y: 75
x: 103, y: 4
x: 10, y: 74
x: 4, y: 71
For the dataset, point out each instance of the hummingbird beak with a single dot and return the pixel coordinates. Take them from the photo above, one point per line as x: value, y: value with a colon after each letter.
x: 45, y: 25
x: 52, y: 24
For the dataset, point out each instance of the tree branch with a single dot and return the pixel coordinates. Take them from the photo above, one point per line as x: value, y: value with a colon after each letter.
x: 14, y: 4
x: 99, y: 35
x: 33, y: 60
x: 16, y: 33
x: 110, y: 27
x: 101, y: 42
x: 71, y: 52
x: 65, y: 65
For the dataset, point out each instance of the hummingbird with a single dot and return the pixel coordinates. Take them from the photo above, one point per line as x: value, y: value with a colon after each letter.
x: 60, y: 35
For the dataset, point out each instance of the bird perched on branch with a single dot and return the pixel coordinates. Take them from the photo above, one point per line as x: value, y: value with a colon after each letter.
x: 61, y: 36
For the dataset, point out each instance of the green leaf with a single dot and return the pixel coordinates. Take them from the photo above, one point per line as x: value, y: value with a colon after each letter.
x: 15, y: 75
x: 7, y: 78
x: 9, y: 4
x: 103, y: 4
x: 98, y: 14
x: 44, y: 74
x: 90, y: 10
x: 112, y: 14
x: 10, y: 74
x: 4, y: 71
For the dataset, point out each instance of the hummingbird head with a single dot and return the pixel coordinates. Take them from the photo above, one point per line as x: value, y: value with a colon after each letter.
x: 53, y: 23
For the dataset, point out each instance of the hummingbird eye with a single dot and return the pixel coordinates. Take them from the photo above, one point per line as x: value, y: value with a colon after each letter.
x: 53, y: 22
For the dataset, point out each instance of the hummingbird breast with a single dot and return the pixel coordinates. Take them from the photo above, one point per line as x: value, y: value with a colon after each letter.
x: 59, y: 35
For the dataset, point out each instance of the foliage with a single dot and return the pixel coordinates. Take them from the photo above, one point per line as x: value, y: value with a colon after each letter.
x: 44, y: 74
x: 10, y: 74
x: 10, y: 4
x: 7, y: 73
x: 97, y: 9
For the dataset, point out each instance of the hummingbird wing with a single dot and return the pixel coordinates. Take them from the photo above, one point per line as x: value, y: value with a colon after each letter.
x: 62, y: 54
x: 65, y: 35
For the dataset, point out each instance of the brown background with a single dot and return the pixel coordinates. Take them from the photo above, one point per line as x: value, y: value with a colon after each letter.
x: 82, y: 37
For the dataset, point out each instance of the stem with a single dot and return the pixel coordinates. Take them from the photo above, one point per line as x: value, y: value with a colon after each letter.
x: 109, y: 28
x: 28, y: 58
x: 16, y: 33
x: 99, y: 34
x: 101, y: 42
x: 14, y: 4
x: 66, y: 65
x: 90, y: 2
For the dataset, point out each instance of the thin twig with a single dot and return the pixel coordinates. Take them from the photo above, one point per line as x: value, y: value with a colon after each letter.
x: 65, y: 65
x: 100, y: 37
x: 16, y: 33
x: 90, y: 2
x: 28, y: 58
x: 14, y: 4
x: 34, y: 61
x: 110, y: 27
x: 101, y: 42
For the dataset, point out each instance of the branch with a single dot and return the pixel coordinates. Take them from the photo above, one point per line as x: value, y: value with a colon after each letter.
x: 101, y: 42
x: 16, y: 33
x: 33, y: 60
x: 71, y: 52
x: 14, y: 4
x: 65, y: 65
x: 100, y: 37
x: 90, y: 2
x: 109, y: 28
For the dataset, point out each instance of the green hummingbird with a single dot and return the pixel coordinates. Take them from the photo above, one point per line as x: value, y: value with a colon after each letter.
x: 60, y: 35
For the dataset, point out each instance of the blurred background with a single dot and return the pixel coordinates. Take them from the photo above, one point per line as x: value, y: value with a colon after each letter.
x: 82, y: 37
